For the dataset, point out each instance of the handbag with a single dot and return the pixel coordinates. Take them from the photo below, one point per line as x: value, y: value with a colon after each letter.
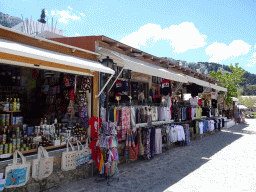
x: 17, y: 174
x: 42, y: 167
x: 83, y: 155
x: 68, y: 159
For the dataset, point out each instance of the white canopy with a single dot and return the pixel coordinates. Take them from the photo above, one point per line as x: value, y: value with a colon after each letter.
x: 219, y: 88
x: 147, y: 68
x: 205, y: 84
x: 198, y: 81
x: 51, y: 56
x: 241, y: 107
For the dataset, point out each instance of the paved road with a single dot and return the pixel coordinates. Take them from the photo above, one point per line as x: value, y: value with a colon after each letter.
x: 224, y: 161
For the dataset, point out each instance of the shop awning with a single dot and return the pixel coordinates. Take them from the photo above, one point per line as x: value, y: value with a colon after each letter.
x: 149, y: 69
x: 219, y: 88
x: 198, y: 81
x: 205, y: 84
x: 65, y: 61
x: 235, y: 99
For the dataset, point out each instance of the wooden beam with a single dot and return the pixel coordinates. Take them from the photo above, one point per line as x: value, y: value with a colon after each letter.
x: 19, y: 38
x: 32, y: 61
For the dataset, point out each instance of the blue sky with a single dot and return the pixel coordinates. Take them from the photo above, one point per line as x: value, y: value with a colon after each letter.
x: 191, y: 30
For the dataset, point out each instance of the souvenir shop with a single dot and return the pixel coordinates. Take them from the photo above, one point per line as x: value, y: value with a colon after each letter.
x: 150, y: 112
x: 143, y: 104
x: 45, y: 110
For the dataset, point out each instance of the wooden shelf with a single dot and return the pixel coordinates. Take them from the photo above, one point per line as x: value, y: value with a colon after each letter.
x: 12, y: 91
x: 12, y: 111
x: 49, y: 147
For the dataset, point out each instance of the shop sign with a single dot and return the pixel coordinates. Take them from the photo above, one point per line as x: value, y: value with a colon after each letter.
x: 141, y: 77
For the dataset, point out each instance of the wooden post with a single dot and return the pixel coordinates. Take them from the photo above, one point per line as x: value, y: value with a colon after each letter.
x: 95, y: 101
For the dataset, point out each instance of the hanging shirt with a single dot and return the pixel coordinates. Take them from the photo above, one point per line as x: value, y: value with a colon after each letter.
x: 93, y: 147
x: 126, y: 86
x: 95, y: 123
x: 198, y: 112
x: 166, y: 87
x: 199, y: 102
x: 134, y: 90
x: 194, y: 101
x: 103, y: 114
x: 213, y: 95
x: 133, y: 117
x: 214, y: 103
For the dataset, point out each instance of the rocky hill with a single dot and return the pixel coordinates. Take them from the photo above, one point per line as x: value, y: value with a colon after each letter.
x: 9, y: 21
x: 248, y: 87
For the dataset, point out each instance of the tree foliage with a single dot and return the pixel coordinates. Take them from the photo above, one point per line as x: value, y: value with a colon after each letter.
x: 42, y: 17
x: 230, y: 81
x: 247, y: 101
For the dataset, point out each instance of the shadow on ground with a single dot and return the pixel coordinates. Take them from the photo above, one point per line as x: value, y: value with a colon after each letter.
x: 165, y: 169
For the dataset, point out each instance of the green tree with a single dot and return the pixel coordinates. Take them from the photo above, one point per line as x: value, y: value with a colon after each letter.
x: 230, y: 81
x: 247, y: 101
x: 42, y: 17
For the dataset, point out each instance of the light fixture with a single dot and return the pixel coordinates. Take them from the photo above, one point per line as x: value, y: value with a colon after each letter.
x: 108, y: 62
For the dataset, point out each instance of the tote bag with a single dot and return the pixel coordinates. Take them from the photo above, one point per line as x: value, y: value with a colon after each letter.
x: 42, y: 166
x: 83, y: 155
x: 17, y: 174
x: 68, y: 159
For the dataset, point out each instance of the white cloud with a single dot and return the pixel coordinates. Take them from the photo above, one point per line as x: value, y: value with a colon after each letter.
x: 82, y: 14
x: 46, y: 12
x: 52, y: 12
x: 69, y: 8
x: 66, y: 15
x: 220, y: 51
x: 181, y: 37
x: 77, y: 34
x: 252, y: 61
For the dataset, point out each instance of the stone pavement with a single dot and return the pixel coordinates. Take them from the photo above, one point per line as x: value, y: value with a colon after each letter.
x: 223, y: 161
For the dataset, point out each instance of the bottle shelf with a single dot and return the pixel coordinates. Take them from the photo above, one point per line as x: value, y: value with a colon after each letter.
x: 35, y: 150
x: 12, y: 111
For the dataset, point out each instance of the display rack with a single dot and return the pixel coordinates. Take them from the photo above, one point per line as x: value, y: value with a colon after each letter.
x: 105, y: 176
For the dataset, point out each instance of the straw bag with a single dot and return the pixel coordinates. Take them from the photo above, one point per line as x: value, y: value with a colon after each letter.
x: 68, y: 159
x: 17, y: 174
x: 42, y: 166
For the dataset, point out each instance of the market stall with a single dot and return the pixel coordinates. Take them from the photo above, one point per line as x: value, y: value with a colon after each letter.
x: 47, y: 94
x: 149, y: 109
x: 145, y: 100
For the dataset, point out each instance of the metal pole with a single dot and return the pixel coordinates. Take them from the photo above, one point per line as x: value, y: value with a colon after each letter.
x: 75, y: 84
x: 116, y: 79
x: 96, y: 96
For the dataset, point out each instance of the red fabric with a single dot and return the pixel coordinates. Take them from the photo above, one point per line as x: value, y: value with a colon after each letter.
x: 112, y: 155
x: 110, y: 142
x: 95, y: 123
x: 199, y: 102
x: 93, y: 147
x: 72, y: 94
